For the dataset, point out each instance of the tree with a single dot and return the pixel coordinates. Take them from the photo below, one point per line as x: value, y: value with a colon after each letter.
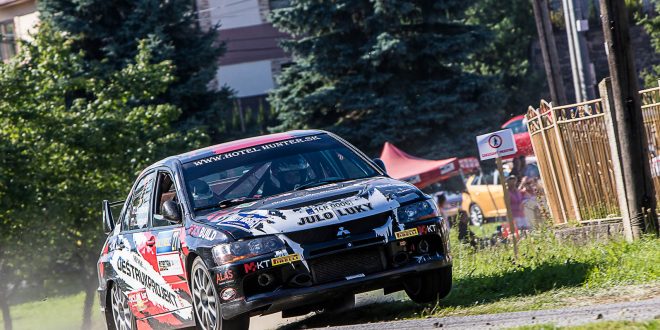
x: 108, y: 33
x: 652, y: 26
x: 384, y: 70
x: 88, y: 136
x: 507, y: 56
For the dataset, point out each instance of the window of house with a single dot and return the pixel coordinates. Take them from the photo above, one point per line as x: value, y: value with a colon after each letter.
x: 7, y: 40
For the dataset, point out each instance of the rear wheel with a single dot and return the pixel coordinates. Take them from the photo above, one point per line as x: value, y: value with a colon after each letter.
x: 476, y: 215
x: 122, y: 318
x: 206, y: 302
x: 429, y: 286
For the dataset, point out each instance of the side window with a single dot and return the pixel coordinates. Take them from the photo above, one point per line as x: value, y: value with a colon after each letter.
x: 165, y: 191
x: 475, y: 181
x: 137, y: 215
x: 487, y: 179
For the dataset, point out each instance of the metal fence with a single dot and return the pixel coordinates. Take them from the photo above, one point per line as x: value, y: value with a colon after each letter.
x: 573, y: 152
x: 651, y: 113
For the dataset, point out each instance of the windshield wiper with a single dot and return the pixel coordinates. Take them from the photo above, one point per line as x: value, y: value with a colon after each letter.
x: 228, y: 202
x: 320, y: 183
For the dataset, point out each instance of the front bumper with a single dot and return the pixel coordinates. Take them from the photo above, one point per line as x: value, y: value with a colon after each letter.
x: 335, y: 273
x: 272, y: 302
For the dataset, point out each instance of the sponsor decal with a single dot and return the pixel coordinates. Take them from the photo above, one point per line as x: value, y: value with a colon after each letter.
x: 169, y: 264
x: 244, y: 220
x: 247, y: 151
x: 228, y: 294
x: 258, y: 265
x: 138, y: 274
x: 341, y: 232
x: 202, y: 232
x: 139, y: 299
x: 406, y: 233
x: 355, y: 209
x: 426, y: 229
x: 354, y: 276
x: 316, y: 217
x: 285, y: 260
x: 224, y: 276
x: 250, y: 267
x: 167, y: 241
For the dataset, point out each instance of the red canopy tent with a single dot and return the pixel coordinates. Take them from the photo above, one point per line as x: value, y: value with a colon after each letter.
x: 418, y: 171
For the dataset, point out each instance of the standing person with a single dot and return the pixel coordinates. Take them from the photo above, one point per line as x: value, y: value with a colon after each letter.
x: 517, y: 198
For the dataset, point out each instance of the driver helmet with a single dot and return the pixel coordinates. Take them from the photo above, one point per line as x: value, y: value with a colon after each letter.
x: 200, y: 190
x: 290, y: 171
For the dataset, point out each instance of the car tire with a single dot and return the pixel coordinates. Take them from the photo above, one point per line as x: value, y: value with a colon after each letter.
x: 429, y: 286
x: 476, y: 215
x: 122, y: 317
x: 206, y: 302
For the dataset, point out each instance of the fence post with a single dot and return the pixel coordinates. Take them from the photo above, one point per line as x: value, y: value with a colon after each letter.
x: 555, y: 174
x: 567, y: 170
x: 605, y: 90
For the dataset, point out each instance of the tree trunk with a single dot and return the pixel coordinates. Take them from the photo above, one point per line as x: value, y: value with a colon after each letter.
x: 90, y: 295
x: 4, y: 305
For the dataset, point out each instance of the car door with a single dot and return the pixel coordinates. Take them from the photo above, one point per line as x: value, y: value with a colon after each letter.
x: 481, y: 195
x: 497, y: 196
x: 170, y: 249
x: 131, y: 258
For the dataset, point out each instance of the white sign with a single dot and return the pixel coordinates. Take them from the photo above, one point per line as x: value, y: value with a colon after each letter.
x: 496, y: 144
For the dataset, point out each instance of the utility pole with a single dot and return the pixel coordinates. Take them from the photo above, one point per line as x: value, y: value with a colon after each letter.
x: 549, y: 52
x: 630, y: 131
x: 581, y: 67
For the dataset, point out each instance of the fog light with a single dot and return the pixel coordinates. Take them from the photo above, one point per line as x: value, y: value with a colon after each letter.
x: 423, y: 246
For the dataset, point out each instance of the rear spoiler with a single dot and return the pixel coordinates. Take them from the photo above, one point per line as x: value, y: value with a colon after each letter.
x: 108, y: 220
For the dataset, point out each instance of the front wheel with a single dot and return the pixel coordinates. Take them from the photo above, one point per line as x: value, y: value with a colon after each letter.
x: 122, y: 318
x: 429, y: 286
x: 206, y: 302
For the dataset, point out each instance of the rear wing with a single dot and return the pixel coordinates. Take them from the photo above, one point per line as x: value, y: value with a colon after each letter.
x: 108, y: 219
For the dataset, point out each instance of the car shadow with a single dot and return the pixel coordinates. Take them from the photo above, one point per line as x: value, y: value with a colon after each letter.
x: 465, y: 292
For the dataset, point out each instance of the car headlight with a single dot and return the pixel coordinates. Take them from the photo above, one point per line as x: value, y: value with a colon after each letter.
x: 235, y: 251
x: 425, y: 209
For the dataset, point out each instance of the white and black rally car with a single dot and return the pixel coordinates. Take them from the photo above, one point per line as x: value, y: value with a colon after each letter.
x: 291, y: 222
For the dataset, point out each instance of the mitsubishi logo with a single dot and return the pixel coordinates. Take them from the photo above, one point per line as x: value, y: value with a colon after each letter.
x: 341, y: 233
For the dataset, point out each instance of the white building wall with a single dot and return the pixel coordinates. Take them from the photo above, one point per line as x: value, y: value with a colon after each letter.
x: 234, y: 13
x: 247, y: 79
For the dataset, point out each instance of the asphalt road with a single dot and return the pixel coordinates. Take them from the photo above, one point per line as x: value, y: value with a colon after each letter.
x: 632, y: 311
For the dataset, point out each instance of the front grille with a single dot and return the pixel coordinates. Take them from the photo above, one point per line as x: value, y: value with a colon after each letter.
x: 329, y: 233
x: 341, y: 265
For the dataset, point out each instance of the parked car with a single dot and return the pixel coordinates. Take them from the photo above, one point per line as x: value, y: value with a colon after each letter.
x: 484, y: 197
x: 521, y: 135
x: 290, y: 222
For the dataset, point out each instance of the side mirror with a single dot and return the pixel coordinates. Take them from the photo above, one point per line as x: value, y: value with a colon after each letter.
x: 380, y: 164
x: 108, y: 221
x: 171, y: 212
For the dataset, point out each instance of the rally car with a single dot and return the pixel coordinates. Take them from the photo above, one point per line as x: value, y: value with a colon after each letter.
x: 292, y: 222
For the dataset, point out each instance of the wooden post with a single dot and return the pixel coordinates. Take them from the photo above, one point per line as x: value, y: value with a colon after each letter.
x: 605, y: 90
x: 549, y: 52
x: 632, y: 141
x: 567, y: 171
x: 507, y: 202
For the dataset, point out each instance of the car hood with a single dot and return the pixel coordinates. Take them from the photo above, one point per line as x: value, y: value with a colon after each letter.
x: 314, y: 207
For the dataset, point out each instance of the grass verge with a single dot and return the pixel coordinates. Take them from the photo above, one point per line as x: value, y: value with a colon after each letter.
x: 58, y: 313
x: 606, y: 325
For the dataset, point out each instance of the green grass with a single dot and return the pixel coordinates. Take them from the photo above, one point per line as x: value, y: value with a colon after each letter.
x: 605, y: 325
x: 486, y: 230
x: 58, y: 313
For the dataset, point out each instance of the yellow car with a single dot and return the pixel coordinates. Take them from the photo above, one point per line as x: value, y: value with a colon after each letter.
x: 484, y: 197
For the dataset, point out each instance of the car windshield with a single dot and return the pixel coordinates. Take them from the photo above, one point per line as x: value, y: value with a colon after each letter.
x: 518, y: 126
x: 269, y: 169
